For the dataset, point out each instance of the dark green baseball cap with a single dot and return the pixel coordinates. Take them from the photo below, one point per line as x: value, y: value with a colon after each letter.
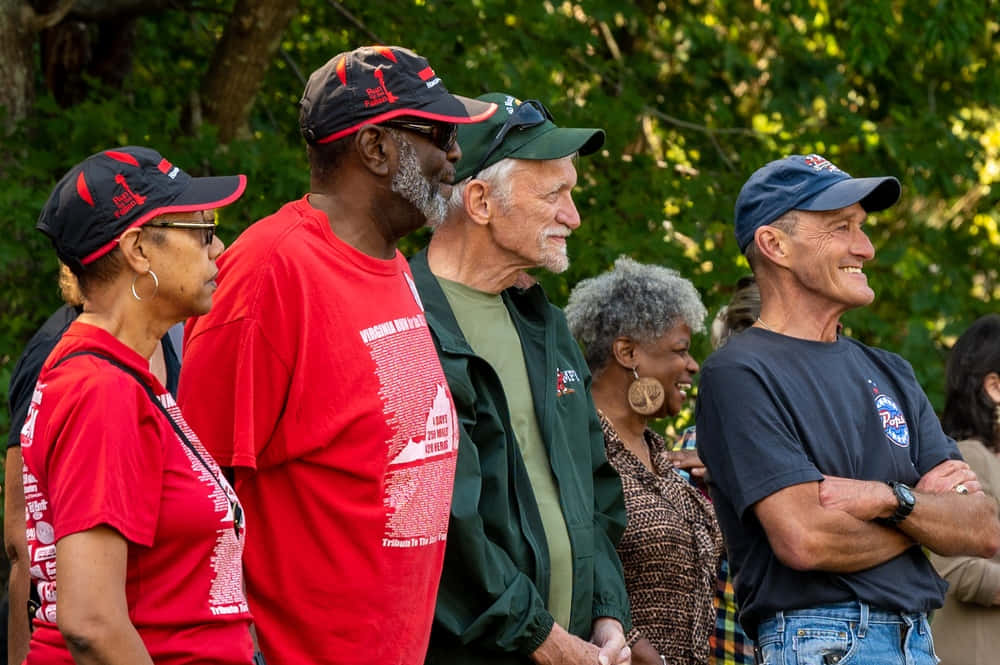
x: 527, y: 133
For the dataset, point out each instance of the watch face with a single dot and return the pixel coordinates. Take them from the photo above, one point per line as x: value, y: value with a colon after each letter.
x: 905, y: 493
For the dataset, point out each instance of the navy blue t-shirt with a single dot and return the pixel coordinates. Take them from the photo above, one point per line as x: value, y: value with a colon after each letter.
x: 775, y: 411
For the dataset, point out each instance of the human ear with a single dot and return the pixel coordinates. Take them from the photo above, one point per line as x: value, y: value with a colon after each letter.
x: 132, y: 249
x: 771, y: 242
x: 376, y: 148
x: 476, y: 201
x: 991, y: 386
x: 625, y: 351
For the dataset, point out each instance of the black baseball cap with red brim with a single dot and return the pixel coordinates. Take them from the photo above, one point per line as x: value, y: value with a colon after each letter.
x: 114, y: 190
x: 373, y: 84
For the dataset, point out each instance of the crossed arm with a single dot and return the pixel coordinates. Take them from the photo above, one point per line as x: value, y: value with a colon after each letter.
x: 829, y: 525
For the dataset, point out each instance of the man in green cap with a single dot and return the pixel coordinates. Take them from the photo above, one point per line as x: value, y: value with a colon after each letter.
x: 530, y: 573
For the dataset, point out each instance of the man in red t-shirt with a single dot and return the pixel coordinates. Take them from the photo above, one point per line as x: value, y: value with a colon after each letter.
x: 315, y: 379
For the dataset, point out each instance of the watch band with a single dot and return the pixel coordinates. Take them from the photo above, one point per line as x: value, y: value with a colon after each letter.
x: 904, y: 501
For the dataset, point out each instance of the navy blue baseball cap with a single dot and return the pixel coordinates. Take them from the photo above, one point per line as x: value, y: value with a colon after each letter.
x: 114, y: 190
x: 805, y: 182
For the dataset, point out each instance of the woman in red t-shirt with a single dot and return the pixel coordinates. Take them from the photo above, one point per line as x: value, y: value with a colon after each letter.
x: 134, y: 536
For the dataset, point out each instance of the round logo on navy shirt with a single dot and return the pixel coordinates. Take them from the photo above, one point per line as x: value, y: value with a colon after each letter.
x: 893, y: 421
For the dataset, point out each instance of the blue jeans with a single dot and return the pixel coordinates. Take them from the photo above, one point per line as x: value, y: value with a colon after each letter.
x: 851, y: 633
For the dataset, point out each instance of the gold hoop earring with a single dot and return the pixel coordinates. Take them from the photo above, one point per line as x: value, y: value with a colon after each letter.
x: 156, y: 285
x: 645, y: 395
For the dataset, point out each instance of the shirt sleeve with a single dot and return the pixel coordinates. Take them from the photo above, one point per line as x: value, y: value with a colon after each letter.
x: 745, y: 440
x: 105, y: 463
x: 935, y: 446
x: 233, y: 388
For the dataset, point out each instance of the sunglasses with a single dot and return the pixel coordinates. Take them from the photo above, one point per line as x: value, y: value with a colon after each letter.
x: 207, y: 227
x: 531, y: 113
x: 442, y: 134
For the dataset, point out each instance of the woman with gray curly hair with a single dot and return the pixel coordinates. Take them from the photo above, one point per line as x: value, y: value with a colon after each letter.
x: 635, y: 323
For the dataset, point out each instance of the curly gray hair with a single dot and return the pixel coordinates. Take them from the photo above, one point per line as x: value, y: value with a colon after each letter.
x: 632, y: 300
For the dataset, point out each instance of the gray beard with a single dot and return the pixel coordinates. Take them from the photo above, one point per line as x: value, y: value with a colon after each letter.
x: 410, y: 183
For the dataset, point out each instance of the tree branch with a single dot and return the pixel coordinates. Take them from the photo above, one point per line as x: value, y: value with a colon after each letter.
x: 36, y: 22
x: 707, y: 131
x: 357, y: 23
x: 293, y: 66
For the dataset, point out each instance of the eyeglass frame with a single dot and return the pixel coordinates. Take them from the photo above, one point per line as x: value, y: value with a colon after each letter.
x: 210, y: 227
x: 427, y: 130
x: 509, y: 125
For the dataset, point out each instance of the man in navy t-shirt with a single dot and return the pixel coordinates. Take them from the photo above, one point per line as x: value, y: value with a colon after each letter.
x: 829, y: 467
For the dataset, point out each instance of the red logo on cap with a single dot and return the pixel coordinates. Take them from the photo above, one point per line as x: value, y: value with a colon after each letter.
x: 381, y: 94
x: 83, y: 190
x: 127, y: 199
x: 387, y: 52
x: 342, y: 71
x: 819, y: 163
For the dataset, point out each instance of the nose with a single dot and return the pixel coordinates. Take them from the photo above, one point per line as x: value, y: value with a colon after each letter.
x: 692, y: 366
x: 454, y: 153
x: 567, y: 214
x: 861, y: 245
x: 216, y: 248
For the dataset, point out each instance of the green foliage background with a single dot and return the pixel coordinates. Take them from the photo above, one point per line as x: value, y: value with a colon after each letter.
x: 694, y: 96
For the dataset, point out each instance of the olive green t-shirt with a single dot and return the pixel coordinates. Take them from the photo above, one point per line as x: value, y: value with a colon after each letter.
x: 488, y: 328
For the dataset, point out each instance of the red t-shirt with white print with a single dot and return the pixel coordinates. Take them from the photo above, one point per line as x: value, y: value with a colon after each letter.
x: 316, y: 377
x: 97, y: 451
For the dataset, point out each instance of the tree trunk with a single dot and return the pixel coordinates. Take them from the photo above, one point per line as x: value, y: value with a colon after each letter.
x: 240, y: 61
x: 17, y: 66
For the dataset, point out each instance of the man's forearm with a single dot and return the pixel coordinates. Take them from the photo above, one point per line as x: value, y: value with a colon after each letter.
x: 951, y: 524
x: 810, y: 528
x: 945, y: 521
x: 847, y: 545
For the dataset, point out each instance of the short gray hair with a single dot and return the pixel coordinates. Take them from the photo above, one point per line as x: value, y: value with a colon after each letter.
x: 497, y: 176
x: 633, y: 300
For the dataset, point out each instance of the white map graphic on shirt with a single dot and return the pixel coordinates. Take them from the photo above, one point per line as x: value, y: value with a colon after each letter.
x: 438, y: 433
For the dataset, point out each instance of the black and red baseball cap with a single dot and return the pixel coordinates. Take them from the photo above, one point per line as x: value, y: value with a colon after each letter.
x: 373, y: 84
x: 111, y: 191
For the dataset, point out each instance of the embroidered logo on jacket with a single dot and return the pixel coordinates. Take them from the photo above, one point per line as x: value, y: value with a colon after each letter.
x: 891, y: 416
x: 564, y: 376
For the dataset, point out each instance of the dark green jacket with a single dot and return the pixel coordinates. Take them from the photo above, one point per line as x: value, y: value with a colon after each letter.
x: 491, y: 603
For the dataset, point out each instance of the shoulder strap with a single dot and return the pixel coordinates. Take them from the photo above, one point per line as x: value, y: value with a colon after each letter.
x: 233, y: 503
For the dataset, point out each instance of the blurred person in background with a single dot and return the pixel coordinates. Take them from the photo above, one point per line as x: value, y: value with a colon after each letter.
x: 635, y: 323
x: 967, y: 629
x: 123, y: 502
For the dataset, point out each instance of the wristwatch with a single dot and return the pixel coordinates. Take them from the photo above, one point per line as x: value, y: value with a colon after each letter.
x: 905, y: 502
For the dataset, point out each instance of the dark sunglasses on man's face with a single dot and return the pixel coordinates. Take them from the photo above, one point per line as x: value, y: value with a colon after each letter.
x: 442, y: 134
x: 531, y: 113
x: 207, y: 227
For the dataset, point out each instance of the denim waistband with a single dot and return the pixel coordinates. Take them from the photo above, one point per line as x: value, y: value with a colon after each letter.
x: 857, y: 611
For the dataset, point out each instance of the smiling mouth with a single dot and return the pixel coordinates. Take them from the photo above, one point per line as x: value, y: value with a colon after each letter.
x: 853, y: 270
x: 683, y: 387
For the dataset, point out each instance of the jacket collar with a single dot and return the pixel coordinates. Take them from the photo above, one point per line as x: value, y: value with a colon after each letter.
x: 442, y: 320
